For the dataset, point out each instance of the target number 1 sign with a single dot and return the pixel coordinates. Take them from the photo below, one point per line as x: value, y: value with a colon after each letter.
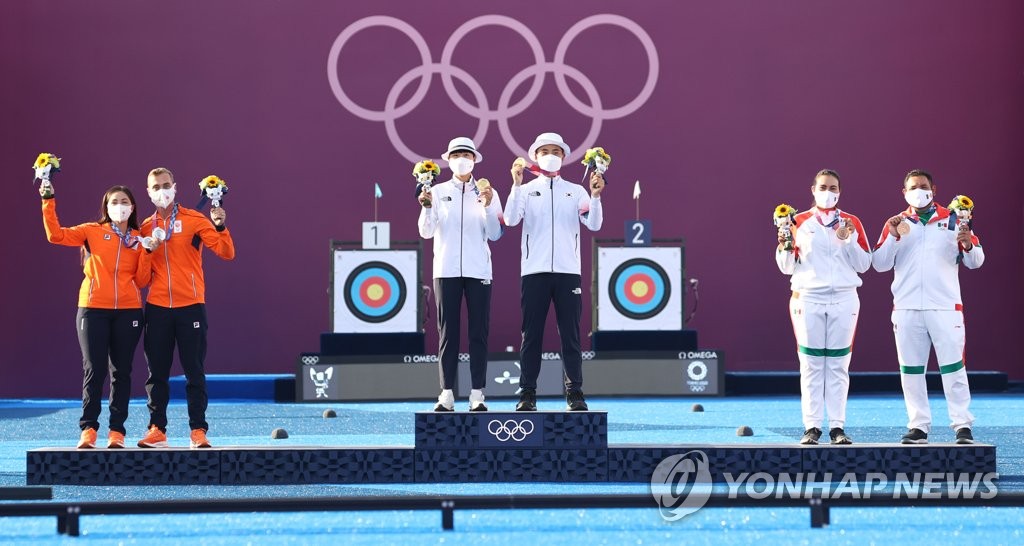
x: 377, y: 235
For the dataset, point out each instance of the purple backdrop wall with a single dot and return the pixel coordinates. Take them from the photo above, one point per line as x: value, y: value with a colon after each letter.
x: 751, y: 99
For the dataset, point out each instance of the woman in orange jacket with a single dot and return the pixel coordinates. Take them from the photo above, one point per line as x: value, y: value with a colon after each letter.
x: 109, y: 322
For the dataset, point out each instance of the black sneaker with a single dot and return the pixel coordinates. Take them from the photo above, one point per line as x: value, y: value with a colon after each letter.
x: 964, y: 436
x: 574, y: 401
x: 527, y: 400
x: 811, y: 437
x: 839, y: 437
x: 916, y: 436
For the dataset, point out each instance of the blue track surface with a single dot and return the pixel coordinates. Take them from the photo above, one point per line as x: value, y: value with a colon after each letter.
x: 33, y: 424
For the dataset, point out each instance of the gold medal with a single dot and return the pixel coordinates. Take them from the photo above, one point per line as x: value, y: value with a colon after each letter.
x: 482, y: 184
x: 903, y: 228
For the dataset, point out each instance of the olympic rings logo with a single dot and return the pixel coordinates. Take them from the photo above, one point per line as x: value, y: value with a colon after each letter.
x: 517, y: 431
x: 310, y: 359
x: 505, y: 109
x: 588, y: 355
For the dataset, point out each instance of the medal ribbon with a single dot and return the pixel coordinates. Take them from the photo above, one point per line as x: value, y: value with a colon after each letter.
x: 916, y: 218
x: 834, y: 224
x: 170, y: 222
x: 126, y: 238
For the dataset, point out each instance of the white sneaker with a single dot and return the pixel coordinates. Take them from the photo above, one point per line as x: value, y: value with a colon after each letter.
x: 476, y: 400
x: 446, y: 401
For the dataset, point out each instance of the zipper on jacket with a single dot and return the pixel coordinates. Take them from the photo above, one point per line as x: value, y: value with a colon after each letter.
x: 462, y: 221
x: 527, y: 246
x: 117, y: 262
x: 167, y: 261
x: 551, y: 187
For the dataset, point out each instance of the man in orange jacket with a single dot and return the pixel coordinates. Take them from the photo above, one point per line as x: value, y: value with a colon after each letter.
x: 176, y: 305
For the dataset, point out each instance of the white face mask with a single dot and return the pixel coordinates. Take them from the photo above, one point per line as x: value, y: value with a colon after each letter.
x: 118, y: 213
x: 461, y: 166
x: 549, y: 163
x: 918, y: 198
x: 162, y: 198
x: 825, y: 199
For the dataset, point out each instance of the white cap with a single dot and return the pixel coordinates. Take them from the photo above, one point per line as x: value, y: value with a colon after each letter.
x: 547, y: 138
x: 459, y: 144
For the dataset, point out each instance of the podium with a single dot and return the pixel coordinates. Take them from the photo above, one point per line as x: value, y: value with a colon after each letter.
x: 535, y: 446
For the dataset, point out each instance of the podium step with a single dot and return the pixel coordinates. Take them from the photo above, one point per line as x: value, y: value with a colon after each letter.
x: 542, y: 446
x: 511, y: 430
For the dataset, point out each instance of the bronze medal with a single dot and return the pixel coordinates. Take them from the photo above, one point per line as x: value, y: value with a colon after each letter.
x: 843, y: 233
x: 903, y: 228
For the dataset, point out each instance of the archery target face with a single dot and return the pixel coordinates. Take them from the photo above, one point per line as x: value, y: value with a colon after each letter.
x: 374, y: 292
x: 372, y: 289
x: 639, y: 288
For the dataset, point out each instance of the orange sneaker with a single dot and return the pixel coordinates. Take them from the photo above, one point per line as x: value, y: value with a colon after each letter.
x: 88, y: 439
x: 115, y: 440
x: 198, y: 439
x: 154, y: 438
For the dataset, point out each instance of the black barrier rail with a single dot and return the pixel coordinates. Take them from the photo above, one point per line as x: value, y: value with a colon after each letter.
x: 26, y: 493
x: 68, y: 513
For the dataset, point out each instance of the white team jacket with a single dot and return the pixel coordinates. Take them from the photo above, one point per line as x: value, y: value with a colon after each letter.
x: 926, y: 262
x: 461, y: 226
x: 824, y: 268
x: 551, y: 210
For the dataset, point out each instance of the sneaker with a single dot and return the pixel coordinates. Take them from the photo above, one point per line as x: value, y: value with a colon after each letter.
x: 154, y: 438
x: 476, y: 400
x: 839, y: 437
x: 197, y: 440
x: 811, y: 436
x: 574, y: 401
x: 964, y: 436
x: 446, y: 401
x: 115, y: 440
x: 88, y: 439
x: 915, y: 436
x: 527, y: 400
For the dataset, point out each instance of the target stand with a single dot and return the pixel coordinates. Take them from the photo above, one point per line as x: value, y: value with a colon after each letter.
x: 375, y: 299
x: 638, y: 296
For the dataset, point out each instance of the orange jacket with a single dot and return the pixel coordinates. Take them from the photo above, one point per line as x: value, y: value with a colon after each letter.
x: 178, y: 262
x: 114, y: 274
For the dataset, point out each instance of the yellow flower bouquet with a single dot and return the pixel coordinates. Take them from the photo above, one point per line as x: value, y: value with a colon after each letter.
x: 961, y: 202
x: 213, y: 188
x: 597, y: 159
x: 46, y: 164
x: 784, y: 218
x: 425, y: 172
x: 963, y: 206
